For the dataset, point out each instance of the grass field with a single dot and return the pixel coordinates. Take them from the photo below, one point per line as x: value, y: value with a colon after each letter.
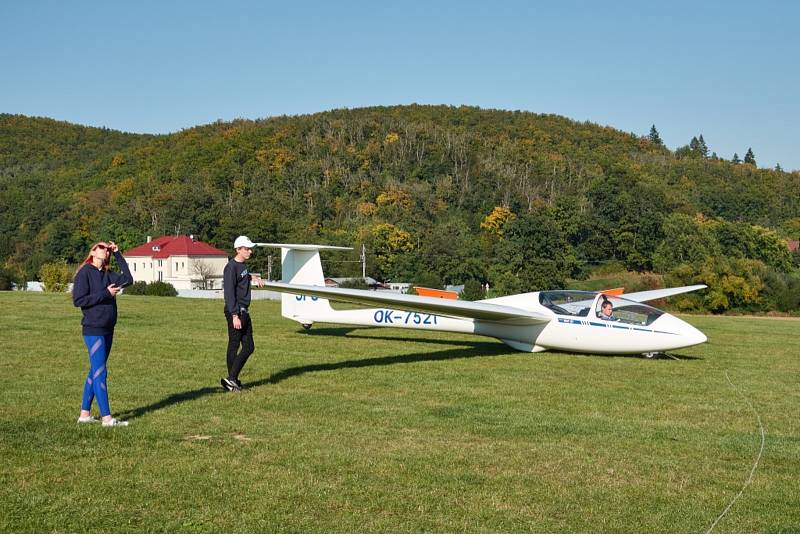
x: 373, y: 429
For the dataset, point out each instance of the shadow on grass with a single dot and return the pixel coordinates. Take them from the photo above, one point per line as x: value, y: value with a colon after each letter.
x: 175, y: 398
x: 348, y: 332
x: 335, y: 330
x: 669, y: 356
x: 473, y: 350
x: 674, y: 356
x: 465, y: 350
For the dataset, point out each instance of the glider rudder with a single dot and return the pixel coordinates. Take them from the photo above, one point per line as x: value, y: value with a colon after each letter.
x: 301, y: 265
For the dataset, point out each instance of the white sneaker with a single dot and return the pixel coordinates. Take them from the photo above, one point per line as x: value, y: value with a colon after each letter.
x: 88, y: 419
x: 115, y: 422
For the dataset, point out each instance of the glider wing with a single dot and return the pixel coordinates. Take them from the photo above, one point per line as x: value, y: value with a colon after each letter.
x: 451, y: 308
x: 644, y: 296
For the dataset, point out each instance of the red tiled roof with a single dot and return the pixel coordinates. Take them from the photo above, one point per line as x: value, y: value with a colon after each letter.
x: 170, y: 245
x: 794, y: 246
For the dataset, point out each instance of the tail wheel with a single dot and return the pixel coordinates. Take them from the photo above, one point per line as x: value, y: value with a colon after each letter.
x: 307, y: 326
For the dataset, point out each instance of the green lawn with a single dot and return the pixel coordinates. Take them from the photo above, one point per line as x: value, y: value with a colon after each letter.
x: 373, y: 429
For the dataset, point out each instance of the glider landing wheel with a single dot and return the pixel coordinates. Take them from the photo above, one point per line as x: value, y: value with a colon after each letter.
x: 651, y: 355
x: 306, y: 326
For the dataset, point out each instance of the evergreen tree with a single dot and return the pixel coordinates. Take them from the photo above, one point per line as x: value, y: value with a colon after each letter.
x: 694, y: 145
x: 714, y: 156
x: 702, y: 147
x: 749, y: 157
x: 778, y: 167
x: 654, y: 137
x: 736, y: 159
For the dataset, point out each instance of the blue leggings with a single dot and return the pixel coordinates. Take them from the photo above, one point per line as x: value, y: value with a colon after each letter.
x: 95, y: 386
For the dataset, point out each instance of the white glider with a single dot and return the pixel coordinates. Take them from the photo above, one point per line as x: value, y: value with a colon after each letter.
x: 531, y: 322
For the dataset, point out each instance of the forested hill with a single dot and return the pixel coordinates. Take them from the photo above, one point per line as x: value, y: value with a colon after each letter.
x: 437, y: 193
x: 30, y: 143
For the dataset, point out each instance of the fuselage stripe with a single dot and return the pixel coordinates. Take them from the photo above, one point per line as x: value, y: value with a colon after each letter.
x: 608, y: 325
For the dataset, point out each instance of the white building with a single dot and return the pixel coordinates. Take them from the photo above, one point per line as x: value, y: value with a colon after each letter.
x: 399, y: 287
x: 179, y: 260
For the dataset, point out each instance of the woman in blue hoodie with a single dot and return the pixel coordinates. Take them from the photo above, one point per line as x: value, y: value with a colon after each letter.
x: 95, y: 289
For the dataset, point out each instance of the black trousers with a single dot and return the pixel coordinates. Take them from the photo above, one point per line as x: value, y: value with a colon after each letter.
x: 236, y: 338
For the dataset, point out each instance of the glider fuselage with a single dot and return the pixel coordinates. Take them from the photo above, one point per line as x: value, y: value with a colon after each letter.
x: 586, y: 333
x: 531, y: 322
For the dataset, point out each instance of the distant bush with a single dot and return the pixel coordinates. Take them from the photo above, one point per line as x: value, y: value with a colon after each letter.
x: 55, y: 276
x: 782, y: 292
x: 138, y: 288
x: 9, y: 277
x: 733, y: 285
x: 161, y: 289
x: 154, y: 289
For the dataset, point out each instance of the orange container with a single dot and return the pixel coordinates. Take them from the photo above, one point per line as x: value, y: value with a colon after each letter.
x: 438, y: 293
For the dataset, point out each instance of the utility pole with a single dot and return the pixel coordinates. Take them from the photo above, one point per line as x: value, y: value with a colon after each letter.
x: 363, y: 261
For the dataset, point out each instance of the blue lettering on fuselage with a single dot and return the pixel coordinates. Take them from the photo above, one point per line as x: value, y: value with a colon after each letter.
x: 396, y: 317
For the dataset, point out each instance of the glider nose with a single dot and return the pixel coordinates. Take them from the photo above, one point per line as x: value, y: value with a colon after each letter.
x: 694, y: 336
x: 684, y: 334
x: 689, y: 335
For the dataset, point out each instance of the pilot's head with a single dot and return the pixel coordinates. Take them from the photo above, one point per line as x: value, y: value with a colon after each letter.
x: 607, y: 308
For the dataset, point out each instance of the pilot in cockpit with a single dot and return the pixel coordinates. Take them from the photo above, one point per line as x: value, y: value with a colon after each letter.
x: 607, y: 311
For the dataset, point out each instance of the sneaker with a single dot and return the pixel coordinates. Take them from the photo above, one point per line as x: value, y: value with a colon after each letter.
x: 230, y: 385
x: 88, y: 419
x: 115, y: 422
x: 239, y: 383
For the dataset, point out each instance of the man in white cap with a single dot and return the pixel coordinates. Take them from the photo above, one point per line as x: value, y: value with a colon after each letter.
x: 236, y: 286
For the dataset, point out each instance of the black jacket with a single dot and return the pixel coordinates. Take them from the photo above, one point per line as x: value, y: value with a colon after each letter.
x: 236, y: 287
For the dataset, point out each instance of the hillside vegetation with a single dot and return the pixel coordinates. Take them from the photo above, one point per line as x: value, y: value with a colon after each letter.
x: 438, y: 194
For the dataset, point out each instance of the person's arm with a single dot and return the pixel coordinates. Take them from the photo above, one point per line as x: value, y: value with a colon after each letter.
x: 125, y: 278
x: 81, y: 296
x: 229, y: 290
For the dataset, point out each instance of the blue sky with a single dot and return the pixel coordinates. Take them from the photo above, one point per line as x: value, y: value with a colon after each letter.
x: 727, y: 70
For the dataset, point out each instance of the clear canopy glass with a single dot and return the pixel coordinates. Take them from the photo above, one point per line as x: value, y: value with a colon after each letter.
x: 577, y: 303
x: 581, y: 303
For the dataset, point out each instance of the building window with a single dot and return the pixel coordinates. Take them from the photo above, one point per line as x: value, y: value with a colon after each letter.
x: 181, y: 265
x: 160, y: 263
x: 176, y: 265
x: 160, y: 276
x: 134, y: 267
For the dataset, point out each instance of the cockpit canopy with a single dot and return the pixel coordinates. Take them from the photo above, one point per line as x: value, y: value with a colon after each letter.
x: 576, y: 303
x: 588, y: 304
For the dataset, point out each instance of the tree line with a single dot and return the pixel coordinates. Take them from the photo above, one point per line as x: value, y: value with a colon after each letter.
x: 438, y: 194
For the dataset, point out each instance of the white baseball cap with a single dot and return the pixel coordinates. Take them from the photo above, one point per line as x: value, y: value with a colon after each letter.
x: 243, y: 241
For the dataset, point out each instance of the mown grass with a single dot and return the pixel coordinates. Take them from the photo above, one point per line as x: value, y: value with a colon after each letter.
x: 348, y: 429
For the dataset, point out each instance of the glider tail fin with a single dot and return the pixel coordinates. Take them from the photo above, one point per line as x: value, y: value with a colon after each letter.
x: 300, y: 264
x: 302, y: 267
